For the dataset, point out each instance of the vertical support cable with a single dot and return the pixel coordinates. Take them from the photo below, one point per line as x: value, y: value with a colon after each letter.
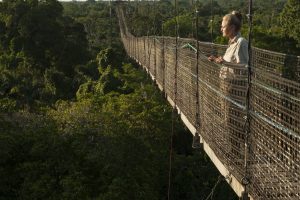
x: 196, y: 139
x: 138, y: 48
x: 145, y: 53
x: 175, y: 101
x: 212, y: 52
x: 154, y: 57
x: 163, y: 56
x: 110, y: 18
x: 155, y: 28
x: 148, y: 52
x: 176, y: 54
x: 193, y: 21
x: 211, y: 22
x: 197, y: 72
x: 135, y: 47
x: 148, y: 41
x: 246, y: 179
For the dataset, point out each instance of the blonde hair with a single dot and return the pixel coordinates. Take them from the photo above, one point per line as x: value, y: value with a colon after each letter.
x: 234, y: 18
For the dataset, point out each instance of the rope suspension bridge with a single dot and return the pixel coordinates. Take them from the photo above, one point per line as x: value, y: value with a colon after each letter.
x: 262, y: 161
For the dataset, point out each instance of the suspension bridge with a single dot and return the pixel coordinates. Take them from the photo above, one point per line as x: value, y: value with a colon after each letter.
x: 263, y: 159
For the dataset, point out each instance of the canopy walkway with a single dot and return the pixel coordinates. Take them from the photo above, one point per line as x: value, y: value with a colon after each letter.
x: 214, y: 106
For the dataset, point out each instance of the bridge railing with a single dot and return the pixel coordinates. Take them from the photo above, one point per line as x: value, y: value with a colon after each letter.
x: 274, y: 152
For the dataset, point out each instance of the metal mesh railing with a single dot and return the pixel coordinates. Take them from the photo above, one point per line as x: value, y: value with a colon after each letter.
x: 274, y: 107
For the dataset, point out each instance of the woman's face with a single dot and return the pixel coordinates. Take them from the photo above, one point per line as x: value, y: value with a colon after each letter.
x: 228, y: 31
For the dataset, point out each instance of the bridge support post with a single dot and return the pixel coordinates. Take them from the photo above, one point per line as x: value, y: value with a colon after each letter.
x: 197, y: 141
x: 245, y: 196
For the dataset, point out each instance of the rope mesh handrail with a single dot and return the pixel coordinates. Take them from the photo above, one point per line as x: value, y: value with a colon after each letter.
x: 274, y: 159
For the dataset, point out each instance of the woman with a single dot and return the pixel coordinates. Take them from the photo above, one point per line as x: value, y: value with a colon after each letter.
x: 233, y: 69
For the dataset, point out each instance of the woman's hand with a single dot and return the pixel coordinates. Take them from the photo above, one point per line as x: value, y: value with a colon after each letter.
x: 219, y: 59
x: 211, y: 58
x: 216, y: 59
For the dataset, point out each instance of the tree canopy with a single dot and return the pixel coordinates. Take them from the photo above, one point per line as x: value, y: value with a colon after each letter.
x: 80, y: 120
x: 290, y: 20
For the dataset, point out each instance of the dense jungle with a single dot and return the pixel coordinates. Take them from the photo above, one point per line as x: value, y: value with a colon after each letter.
x: 80, y: 120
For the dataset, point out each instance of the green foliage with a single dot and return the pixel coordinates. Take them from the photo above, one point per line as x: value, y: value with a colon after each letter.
x: 146, y: 18
x: 40, y: 48
x: 101, y: 29
x: 108, y: 57
x: 57, y: 84
x: 108, y: 146
x: 290, y: 20
x: 184, y: 26
x: 7, y: 105
x: 108, y: 80
x: 86, y: 90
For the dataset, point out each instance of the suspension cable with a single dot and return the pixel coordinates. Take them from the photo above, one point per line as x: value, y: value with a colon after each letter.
x: 196, y: 139
x: 220, y: 178
x: 148, y: 41
x: 163, y: 56
x: 246, y: 178
x: 145, y: 55
x: 175, y: 101
x: 211, y: 30
x: 176, y: 54
x: 193, y: 7
x: 110, y: 21
x: 211, y: 22
x: 154, y: 38
x: 197, y: 72
x: 136, y: 43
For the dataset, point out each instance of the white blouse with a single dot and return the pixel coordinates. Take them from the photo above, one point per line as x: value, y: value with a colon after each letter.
x: 237, y: 51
